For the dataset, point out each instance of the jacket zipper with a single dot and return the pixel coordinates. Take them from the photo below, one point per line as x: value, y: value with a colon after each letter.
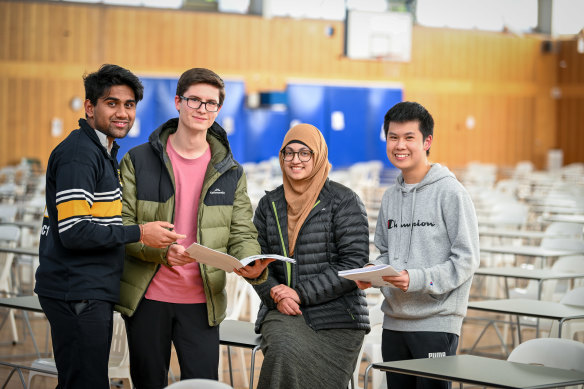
x: 288, y: 267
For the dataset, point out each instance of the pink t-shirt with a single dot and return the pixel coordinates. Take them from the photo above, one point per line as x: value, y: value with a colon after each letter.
x: 183, y: 284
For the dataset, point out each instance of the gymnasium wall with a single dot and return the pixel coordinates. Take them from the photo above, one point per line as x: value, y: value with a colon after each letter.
x: 570, y: 102
x: 500, y: 82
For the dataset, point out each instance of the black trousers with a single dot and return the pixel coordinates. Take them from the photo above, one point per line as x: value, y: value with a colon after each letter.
x: 398, y: 345
x: 152, y: 329
x: 81, y: 332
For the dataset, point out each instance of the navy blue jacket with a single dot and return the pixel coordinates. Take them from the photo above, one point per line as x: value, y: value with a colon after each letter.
x: 83, y: 240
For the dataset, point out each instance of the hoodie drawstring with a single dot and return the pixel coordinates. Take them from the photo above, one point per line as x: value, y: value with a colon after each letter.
x: 395, y: 247
x: 412, y: 222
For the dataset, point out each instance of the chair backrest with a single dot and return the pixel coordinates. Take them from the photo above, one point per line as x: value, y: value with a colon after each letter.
x: 8, y: 212
x: 509, y: 213
x: 198, y: 383
x: 569, y: 264
x: 8, y: 237
x: 551, y: 352
x: 9, y: 234
x: 241, y: 298
x: 119, y: 353
x: 573, y: 230
x: 574, y: 297
x: 575, y: 244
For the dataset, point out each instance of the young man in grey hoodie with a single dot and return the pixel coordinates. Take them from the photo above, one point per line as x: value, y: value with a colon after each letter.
x: 427, y: 230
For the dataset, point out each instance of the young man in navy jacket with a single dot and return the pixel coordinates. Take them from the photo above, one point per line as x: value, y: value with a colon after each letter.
x: 82, y: 239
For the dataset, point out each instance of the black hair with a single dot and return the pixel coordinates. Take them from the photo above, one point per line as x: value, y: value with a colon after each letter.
x: 408, y: 111
x: 200, y: 76
x: 98, y: 84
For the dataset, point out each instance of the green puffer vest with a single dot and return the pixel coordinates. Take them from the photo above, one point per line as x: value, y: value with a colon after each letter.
x: 224, y: 215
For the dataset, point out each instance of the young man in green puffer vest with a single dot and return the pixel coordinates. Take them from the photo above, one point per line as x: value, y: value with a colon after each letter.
x: 186, y: 175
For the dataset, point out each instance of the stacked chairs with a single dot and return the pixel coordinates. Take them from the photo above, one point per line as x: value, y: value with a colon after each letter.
x: 512, y: 211
x: 18, y: 183
x: 9, y: 236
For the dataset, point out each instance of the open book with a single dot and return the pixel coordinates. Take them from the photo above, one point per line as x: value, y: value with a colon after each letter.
x: 225, y: 261
x: 371, y: 274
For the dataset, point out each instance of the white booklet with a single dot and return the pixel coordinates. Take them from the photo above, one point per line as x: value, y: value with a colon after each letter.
x: 371, y: 274
x: 224, y: 261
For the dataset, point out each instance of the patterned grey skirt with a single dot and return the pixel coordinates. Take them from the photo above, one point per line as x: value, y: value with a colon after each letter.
x: 297, y: 357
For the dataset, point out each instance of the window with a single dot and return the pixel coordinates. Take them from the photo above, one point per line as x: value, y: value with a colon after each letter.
x: 493, y: 15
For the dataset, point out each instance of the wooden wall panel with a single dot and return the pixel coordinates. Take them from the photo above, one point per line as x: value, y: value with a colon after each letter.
x: 570, y: 103
x: 502, y: 80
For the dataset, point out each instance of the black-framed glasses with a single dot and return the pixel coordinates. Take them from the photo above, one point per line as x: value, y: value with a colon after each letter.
x: 304, y: 155
x: 195, y: 103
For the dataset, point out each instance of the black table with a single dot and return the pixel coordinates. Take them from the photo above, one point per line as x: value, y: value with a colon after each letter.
x: 20, y: 250
x: 534, y: 308
x: 482, y: 371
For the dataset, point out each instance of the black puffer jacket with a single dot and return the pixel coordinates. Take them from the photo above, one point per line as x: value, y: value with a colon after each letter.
x: 334, y: 237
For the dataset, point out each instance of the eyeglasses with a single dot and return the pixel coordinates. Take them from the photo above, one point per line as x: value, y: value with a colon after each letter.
x: 195, y: 103
x: 303, y: 155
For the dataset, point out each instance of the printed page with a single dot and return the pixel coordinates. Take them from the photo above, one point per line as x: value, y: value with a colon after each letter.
x: 213, y: 258
x: 251, y: 258
x: 371, y: 274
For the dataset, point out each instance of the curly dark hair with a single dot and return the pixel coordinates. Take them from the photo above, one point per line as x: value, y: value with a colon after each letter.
x: 98, y: 84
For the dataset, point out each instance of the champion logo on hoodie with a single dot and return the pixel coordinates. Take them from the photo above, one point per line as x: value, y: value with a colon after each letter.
x: 393, y: 224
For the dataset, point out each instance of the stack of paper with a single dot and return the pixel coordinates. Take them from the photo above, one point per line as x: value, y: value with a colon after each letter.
x: 371, y: 274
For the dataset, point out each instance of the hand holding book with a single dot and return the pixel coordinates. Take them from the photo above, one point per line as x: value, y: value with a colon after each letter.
x: 255, y: 269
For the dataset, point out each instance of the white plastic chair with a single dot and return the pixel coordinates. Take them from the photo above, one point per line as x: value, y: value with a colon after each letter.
x: 372, y: 347
x: 552, y: 290
x: 9, y: 236
x: 574, y: 244
x: 199, y: 383
x: 8, y: 192
x: 505, y: 211
x: 571, y: 328
x: 8, y: 212
x: 552, y: 352
x: 119, y: 359
x: 572, y: 229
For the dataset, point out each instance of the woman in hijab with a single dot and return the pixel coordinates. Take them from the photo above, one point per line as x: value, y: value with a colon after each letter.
x: 312, y: 321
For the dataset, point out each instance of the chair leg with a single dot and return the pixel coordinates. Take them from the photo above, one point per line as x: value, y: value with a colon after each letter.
x: 252, y: 365
x: 366, y: 378
x: 230, y: 366
x: 13, y: 326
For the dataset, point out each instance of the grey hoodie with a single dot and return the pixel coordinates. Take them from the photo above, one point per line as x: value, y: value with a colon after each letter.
x: 439, y: 249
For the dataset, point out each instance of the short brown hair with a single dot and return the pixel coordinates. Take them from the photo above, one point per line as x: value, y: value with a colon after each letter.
x: 200, y: 76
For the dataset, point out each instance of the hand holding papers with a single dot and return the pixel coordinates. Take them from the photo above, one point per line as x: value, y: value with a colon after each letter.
x: 224, y: 261
x: 371, y: 274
